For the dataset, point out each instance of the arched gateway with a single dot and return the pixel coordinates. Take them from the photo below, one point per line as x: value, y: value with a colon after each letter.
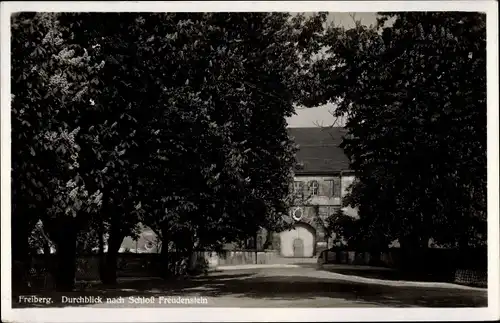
x: 298, y: 242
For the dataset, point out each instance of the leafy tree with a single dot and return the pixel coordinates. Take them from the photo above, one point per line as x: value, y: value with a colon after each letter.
x: 48, y: 91
x: 414, y: 93
x: 176, y: 120
x: 214, y: 96
x: 114, y: 161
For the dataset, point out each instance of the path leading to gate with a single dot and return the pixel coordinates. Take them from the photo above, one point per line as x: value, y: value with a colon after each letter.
x: 296, y: 286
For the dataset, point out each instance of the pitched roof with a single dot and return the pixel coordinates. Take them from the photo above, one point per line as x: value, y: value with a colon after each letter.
x: 319, y: 149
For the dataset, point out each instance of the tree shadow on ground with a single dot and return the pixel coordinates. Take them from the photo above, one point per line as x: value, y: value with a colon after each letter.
x: 286, y: 287
x: 299, y: 287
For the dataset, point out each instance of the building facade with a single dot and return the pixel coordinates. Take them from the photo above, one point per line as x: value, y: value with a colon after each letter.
x: 320, y: 182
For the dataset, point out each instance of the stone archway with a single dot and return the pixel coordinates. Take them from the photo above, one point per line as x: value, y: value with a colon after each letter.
x: 298, y: 242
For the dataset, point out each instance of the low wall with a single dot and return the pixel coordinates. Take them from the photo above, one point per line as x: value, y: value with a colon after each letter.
x: 383, y: 259
x: 241, y: 257
x: 466, y: 267
x: 475, y: 259
x: 246, y: 257
x: 147, y: 265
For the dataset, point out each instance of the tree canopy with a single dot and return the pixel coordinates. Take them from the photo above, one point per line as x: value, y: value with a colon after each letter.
x: 176, y: 121
x: 414, y: 93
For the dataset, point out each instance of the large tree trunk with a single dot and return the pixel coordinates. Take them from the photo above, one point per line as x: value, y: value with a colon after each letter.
x: 164, y: 255
x: 20, y: 256
x: 269, y: 240
x: 190, y: 260
x: 413, y: 251
x: 463, y: 243
x: 19, y: 239
x: 102, y: 265
x: 65, y: 238
x: 108, y: 260
x: 114, y: 242
x: 46, y: 249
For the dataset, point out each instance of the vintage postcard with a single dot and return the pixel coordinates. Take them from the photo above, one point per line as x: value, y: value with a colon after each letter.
x: 249, y: 161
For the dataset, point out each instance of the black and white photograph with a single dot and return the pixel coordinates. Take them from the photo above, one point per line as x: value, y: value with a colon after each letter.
x: 249, y: 161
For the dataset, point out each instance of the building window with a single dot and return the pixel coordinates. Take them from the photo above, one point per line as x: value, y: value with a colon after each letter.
x: 298, y: 188
x: 314, y: 188
x: 331, y: 188
x: 337, y: 187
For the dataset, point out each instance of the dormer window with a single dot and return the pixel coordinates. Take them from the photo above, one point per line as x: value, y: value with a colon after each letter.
x: 314, y: 188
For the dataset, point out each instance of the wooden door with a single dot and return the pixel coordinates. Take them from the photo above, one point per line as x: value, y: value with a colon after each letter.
x: 298, y: 248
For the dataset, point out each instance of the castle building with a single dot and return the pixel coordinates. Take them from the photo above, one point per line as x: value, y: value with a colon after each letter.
x: 320, y: 182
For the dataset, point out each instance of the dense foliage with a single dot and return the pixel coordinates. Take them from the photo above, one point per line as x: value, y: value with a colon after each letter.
x: 414, y: 93
x: 176, y: 121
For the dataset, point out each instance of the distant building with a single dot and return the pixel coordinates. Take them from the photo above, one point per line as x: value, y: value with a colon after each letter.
x: 321, y: 179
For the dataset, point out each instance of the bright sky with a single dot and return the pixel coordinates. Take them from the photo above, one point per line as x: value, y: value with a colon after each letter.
x: 311, y: 117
